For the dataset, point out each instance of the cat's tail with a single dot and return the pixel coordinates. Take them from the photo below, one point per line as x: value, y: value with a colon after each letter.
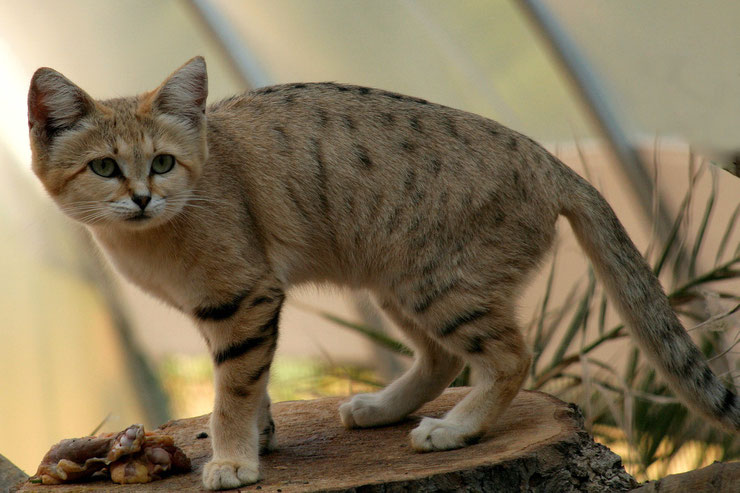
x: 642, y: 304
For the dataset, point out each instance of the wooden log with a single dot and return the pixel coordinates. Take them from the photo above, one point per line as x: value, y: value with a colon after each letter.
x: 10, y: 475
x: 718, y: 478
x: 538, y: 445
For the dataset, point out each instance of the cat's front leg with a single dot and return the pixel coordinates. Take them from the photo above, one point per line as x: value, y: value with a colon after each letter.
x: 242, y: 344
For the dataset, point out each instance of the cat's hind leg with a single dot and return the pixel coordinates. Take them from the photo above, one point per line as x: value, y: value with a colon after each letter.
x: 497, y: 353
x: 433, y: 370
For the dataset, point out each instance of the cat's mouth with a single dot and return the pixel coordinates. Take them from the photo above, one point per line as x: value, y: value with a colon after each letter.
x: 141, y: 216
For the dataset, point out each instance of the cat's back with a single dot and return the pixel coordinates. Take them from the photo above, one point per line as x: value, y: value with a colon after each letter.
x: 356, y: 171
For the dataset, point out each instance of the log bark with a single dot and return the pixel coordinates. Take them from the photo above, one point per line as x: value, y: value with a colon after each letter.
x: 10, y: 475
x: 539, y: 445
x: 718, y: 478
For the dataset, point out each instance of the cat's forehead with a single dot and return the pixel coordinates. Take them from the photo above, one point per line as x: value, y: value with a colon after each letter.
x: 126, y: 126
x: 124, y: 113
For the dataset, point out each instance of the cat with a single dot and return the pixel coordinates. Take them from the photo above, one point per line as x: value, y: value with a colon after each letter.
x: 439, y: 213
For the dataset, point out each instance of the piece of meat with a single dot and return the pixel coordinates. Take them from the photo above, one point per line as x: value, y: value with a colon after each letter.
x: 130, y: 456
x: 75, y: 459
x: 158, y: 457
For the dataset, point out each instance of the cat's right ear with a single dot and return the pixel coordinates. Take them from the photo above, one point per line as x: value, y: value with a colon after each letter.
x: 183, y: 95
x: 55, y: 104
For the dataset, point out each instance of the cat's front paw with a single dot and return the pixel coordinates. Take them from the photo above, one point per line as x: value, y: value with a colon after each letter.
x: 364, y: 410
x: 441, y: 434
x: 222, y: 474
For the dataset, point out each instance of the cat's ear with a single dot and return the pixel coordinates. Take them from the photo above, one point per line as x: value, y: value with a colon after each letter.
x: 55, y: 104
x: 183, y: 95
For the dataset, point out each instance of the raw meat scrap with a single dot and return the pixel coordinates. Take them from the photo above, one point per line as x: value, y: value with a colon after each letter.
x: 130, y: 456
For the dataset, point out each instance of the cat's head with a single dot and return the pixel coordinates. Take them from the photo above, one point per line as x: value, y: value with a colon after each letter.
x: 128, y: 162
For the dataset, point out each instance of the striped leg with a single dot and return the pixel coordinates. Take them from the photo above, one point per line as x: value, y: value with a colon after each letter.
x: 433, y: 370
x: 242, y: 337
x: 495, y: 349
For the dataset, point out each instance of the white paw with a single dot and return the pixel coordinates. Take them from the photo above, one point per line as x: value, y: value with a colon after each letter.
x: 440, y: 434
x: 224, y: 474
x: 362, y: 411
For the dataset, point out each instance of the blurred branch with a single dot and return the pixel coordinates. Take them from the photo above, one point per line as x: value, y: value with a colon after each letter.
x: 243, y: 62
x: 153, y: 398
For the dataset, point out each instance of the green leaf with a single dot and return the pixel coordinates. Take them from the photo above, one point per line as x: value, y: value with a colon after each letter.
x: 373, y: 334
x: 703, y: 227
x: 726, y: 236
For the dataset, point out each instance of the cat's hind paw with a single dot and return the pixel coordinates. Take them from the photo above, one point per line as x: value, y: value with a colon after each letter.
x: 222, y: 474
x: 363, y: 411
x: 441, y: 434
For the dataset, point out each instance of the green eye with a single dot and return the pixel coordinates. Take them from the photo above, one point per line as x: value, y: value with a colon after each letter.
x: 105, y: 167
x: 163, y: 163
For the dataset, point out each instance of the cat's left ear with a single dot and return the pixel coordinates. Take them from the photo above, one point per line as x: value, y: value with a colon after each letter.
x: 183, y: 95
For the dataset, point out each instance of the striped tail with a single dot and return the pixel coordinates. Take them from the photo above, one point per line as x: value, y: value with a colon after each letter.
x: 644, y: 307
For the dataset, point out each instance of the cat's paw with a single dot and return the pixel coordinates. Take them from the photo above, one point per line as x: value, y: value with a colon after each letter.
x: 222, y: 474
x: 364, y: 410
x: 441, y: 434
x: 359, y: 412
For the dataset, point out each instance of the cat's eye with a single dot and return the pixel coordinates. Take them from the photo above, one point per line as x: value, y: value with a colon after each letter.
x: 105, y: 167
x: 162, y: 163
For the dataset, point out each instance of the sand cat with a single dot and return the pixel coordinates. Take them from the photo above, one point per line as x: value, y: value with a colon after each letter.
x: 439, y: 213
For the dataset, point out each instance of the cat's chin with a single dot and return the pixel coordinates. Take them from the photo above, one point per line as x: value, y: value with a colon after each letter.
x: 139, y: 222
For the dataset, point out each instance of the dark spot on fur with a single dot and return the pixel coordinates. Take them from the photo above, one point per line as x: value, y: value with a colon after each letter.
x: 300, y: 85
x: 434, y: 295
x: 260, y: 371
x: 342, y: 88
x: 298, y: 205
x: 239, y: 390
x: 389, y: 118
x: 240, y: 348
x: 201, y: 435
x: 282, y: 137
x: 728, y: 402
x: 320, y: 176
x: 410, y: 180
x: 271, y: 326
x: 363, y: 90
x: 475, y: 345
x: 261, y: 300
x: 323, y: 117
x: 460, y: 320
x: 408, y: 146
x: 224, y: 311
x: 364, y: 157
x: 415, y: 124
x: 451, y: 127
x: 289, y: 98
x: 706, y: 377
x: 349, y: 122
x: 436, y: 166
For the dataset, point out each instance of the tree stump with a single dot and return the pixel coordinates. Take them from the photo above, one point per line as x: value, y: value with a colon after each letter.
x: 720, y: 477
x: 9, y: 474
x: 539, y: 445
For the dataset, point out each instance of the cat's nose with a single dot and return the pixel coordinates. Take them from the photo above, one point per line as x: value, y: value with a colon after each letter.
x: 141, y: 200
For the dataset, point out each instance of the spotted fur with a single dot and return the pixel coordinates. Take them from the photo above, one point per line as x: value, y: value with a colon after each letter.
x: 440, y: 213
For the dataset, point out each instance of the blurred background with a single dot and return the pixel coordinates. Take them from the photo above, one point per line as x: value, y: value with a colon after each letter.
x: 661, y: 93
